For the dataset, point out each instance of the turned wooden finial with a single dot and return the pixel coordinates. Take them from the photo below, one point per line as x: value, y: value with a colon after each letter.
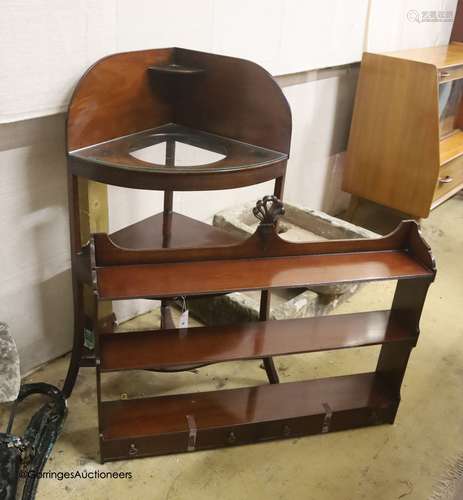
x: 268, y: 210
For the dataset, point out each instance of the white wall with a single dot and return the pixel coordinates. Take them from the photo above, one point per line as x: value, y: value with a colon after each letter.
x: 407, y: 24
x: 35, y: 291
x: 42, y: 55
x: 46, y: 46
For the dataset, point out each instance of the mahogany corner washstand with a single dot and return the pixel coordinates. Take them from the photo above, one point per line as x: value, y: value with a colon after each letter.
x: 131, y: 101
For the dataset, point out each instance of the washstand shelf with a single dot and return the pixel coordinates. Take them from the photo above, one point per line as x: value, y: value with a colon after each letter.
x: 103, y: 161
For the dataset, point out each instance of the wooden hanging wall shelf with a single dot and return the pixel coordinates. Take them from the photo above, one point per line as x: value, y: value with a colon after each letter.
x: 170, y: 255
x: 188, y: 422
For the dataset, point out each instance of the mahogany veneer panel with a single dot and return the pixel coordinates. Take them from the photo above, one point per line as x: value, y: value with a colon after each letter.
x: 396, y: 151
x: 393, y: 151
x: 114, y: 98
x: 457, y: 29
x: 193, y: 278
x: 160, y: 425
x: 139, y: 350
x: 186, y: 232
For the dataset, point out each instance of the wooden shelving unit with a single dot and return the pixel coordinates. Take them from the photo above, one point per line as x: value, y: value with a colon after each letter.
x: 187, y: 422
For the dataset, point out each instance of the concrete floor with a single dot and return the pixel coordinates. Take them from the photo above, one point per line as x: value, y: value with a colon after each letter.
x: 405, y: 460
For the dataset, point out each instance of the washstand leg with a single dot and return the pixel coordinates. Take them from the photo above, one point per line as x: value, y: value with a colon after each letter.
x: 167, y: 320
x: 269, y: 365
x: 78, y: 341
x: 353, y: 207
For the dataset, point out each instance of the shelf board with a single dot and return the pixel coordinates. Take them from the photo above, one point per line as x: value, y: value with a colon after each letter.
x: 163, y: 424
x: 218, y: 276
x: 159, y: 349
x: 238, y: 156
x: 446, y: 196
x: 451, y: 147
x: 175, y: 69
x: 443, y: 56
x: 186, y: 232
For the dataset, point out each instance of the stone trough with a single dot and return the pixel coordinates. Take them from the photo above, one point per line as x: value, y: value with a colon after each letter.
x: 298, y: 224
x: 10, y: 378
